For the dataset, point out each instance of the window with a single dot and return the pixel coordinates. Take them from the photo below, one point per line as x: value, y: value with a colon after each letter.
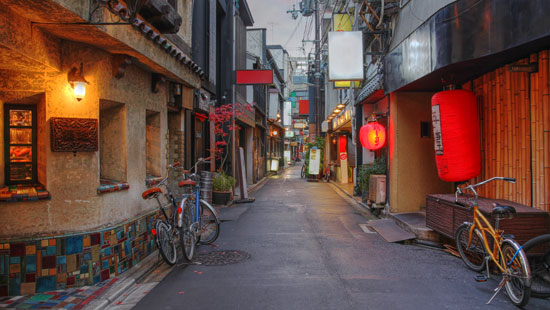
x: 152, y: 140
x: 20, y: 146
x: 112, y: 142
x: 425, y: 130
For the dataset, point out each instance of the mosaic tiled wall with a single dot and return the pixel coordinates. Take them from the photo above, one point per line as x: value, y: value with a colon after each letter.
x: 36, y: 266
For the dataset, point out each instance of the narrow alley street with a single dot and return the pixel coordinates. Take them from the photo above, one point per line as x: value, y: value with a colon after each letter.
x: 307, y: 251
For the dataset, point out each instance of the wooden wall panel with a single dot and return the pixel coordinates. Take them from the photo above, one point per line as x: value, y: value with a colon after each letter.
x: 514, y: 112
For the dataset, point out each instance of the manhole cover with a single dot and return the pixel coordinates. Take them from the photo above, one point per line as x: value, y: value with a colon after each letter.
x: 220, y: 258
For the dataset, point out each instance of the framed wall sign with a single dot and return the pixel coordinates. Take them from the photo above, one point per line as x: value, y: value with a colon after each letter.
x: 20, y: 144
x: 74, y: 134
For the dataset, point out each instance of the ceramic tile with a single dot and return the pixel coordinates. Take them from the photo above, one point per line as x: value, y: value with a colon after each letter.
x: 48, y: 262
x: 71, y: 263
x: 30, y: 277
x: 73, y: 245
x: 30, y: 249
x: 17, y: 249
x: 30, y: 263
x: 51, y: 250
x: 45, y: 284
x: 28, y: 288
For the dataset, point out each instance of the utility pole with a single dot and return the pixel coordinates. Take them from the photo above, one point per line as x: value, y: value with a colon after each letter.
x: 305, y: 10
x: 317, y: 74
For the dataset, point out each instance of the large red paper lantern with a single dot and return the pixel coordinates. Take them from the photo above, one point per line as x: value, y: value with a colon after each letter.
x: 372, y: 136
x: 456, y: 135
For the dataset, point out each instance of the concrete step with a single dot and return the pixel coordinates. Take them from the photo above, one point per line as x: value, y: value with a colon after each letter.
x: 415, y: 222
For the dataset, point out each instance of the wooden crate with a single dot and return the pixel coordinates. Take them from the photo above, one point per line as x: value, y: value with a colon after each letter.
x: 444, y: 216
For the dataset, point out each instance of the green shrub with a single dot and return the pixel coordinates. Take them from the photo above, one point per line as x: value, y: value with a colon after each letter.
x: 365, y: 171
x: 222, y: 182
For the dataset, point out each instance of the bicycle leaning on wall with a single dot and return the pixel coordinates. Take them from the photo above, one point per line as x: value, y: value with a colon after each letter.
x: 165, y: 230
x: 199, y: 222
x: 473, y: 243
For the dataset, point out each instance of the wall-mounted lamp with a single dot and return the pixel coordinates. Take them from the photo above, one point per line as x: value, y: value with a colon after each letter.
x: 275, y: 133
x: 78, y: 82
x: 341, y: 106
x: 337, y: 110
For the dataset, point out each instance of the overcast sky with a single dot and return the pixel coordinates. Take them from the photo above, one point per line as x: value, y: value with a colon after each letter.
x: 272, y: 15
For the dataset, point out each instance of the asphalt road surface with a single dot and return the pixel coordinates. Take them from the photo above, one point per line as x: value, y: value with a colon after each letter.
x: 306, y: 250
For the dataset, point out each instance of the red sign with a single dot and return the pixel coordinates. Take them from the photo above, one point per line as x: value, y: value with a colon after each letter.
x: 304, y: 107
x: 254, y: 77
x: 343, y: 156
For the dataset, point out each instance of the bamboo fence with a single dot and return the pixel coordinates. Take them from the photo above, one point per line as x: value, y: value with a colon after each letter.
x: 514, y: 113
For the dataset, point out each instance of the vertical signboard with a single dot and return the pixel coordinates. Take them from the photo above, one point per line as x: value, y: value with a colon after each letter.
x: 314, y: 160
x: 344, y: 159
x: 273, y: 104
x: 287, y: 113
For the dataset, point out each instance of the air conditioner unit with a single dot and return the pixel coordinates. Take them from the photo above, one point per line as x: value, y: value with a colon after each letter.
x: 377, y: 188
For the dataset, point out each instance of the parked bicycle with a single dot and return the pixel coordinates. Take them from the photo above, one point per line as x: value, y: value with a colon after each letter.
x: 200, y: 223
x: 474, y: 247
x: 538, y: 254
x: 166, y: 230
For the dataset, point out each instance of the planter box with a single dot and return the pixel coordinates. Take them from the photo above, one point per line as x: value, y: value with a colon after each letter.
x: 221, y: 198
x: 444, y: 216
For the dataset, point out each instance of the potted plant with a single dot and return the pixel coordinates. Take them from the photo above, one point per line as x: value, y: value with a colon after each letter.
x: 221, y: 188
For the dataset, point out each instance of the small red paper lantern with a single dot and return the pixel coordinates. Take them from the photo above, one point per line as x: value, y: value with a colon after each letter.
x: 372, y: 136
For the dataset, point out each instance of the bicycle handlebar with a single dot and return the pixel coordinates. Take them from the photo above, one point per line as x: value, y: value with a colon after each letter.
x: 472, y: 186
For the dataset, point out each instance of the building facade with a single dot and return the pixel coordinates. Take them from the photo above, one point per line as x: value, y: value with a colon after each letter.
x: 92, y: 113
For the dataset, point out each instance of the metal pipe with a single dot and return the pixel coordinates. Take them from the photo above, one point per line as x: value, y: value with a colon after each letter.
x: 381, y: 15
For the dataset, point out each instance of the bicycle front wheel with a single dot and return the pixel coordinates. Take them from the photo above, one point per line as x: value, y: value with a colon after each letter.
x: 187, y: 236
x: 472, y: 253
x: 209, y: 225
x: 518, y: 286
x: 538, y: 254
x: 303, y: 173
x: 165, y: 243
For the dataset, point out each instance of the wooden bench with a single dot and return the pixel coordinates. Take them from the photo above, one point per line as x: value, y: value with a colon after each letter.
x: 444, y: 216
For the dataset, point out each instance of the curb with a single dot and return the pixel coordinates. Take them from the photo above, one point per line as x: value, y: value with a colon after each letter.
x: 125, y: 282
x: 361, y: 207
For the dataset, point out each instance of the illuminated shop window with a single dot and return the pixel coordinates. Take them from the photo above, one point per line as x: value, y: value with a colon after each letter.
x: 20, y: 144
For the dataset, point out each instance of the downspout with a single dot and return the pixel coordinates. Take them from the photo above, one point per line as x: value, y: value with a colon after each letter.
x: 381, y: 16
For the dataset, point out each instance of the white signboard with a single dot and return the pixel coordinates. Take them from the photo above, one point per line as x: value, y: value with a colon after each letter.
x: 273, y: 105
x: 314, y: 160
x: 287, y: 113
x: 345, y: 56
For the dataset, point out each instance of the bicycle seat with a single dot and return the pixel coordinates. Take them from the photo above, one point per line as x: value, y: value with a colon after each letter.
x: 187, y: 183
x: 151, y: 192
x: 500, y: 211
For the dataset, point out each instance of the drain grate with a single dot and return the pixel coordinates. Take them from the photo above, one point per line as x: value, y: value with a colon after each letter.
x: 220, y: 258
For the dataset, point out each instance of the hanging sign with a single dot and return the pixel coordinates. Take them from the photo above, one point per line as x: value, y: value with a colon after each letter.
x: 250, y: 77
x: 314, y: 160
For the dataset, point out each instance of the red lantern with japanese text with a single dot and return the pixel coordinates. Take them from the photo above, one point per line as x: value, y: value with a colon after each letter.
x: 456, y: 135
x: 372, y: 136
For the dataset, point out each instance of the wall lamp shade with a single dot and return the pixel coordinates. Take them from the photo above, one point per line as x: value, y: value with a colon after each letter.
x: 78, y: 82
x: 341, y: 106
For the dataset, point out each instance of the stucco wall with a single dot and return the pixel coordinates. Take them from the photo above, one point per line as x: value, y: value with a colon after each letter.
x: 73, y: 180
x: 413, y: 172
